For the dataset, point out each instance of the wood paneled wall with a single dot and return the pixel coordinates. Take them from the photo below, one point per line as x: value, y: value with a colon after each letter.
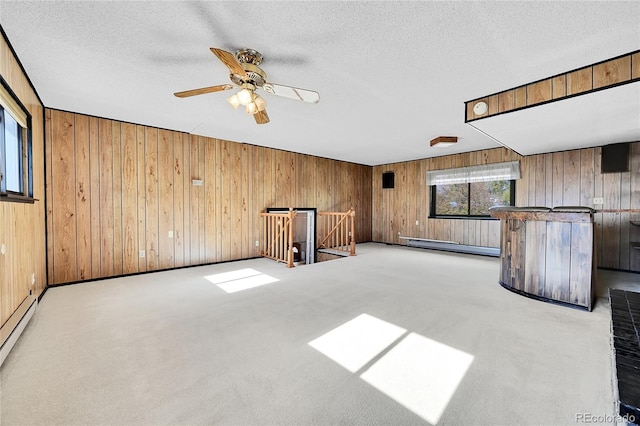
x: 22, y: 226
x: 620, y: 70
x: 554, y: 179
x: 404, y: 210
x: 117, y: 188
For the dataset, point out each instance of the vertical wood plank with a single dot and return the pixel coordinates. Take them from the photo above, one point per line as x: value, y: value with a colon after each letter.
x: 152, y: 199
x: 129, y: 199
x: 611, y: 221
x: 64, y: 184
x: 246, y: 166
x: 612, y: 72
x: 194, y: 202
x: 557, y: 260
x: 105, y: 143
x: 571, y: 178
x: 235, y: 198
x: 201, y: 205
x: 211, y: 211
x: 178, y: 199
x: 598, y: 192
x: 141, y: 185
x: 581, y: 266
x: 166, y: 248
x: 579, y: 81
x: 83, y: 196
x: 117, y: 199
x: 225, y: 200
x: 586, y: 177
x: 558, y: 179
x: 186, y: 197
x: 49, y: 201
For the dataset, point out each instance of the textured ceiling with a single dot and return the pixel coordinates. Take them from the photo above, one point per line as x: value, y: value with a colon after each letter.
x: 391, y: 75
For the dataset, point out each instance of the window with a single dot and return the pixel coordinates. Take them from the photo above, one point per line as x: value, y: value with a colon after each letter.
x: 471, y: 191
x: 16, y: 183
x: 471, y: 199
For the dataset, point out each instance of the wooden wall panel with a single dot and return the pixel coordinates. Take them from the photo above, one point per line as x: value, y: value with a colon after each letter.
x: 178, y: 199
x: 117, y: 199
x: 553, y: 179
x: 22, y: 226
x: 105, y: 147
x: 151, y: 198
x: 83, y: 197
x: 129, y: 199
x: 121, y: 189
x: 141, y: 180
x: 166, y: 232
x: 63, y: 188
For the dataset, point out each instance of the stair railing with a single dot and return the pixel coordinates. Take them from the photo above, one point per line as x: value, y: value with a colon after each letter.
x: 336, y: 231
x: 278, y: 236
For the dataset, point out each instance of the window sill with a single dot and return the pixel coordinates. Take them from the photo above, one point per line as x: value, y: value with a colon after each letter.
x: 14, y: 198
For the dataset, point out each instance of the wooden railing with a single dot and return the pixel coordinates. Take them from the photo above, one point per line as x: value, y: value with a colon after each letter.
x: 278, y: 236
x: 336, y: 231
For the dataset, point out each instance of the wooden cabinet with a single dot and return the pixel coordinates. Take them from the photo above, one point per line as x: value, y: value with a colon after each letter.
x: 548, y: 254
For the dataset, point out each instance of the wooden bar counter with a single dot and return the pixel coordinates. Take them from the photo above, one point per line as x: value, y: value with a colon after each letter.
x: 548, y: 254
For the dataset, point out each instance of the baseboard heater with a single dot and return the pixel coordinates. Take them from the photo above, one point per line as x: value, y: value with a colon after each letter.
x: 15, y: 325
x: 451, y: 246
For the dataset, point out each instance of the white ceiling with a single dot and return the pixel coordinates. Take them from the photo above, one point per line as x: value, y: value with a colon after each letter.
x: 391, y: 75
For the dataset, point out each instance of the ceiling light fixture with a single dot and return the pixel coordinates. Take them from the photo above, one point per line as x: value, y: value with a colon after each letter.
x: 247, y: 98
x: 480, y: 108
x: 444, y: 141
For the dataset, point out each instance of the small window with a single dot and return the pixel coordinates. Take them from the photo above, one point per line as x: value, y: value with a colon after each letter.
x: 16, y: 182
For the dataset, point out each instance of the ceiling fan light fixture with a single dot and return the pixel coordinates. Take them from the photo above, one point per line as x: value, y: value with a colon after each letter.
x: 443, y: 141
x: 234, y: 101
x: 245, y: 97
x: 251, y: 108
x: 261, y: 104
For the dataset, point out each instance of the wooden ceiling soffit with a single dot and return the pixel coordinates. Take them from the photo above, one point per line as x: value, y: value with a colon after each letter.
x: 602, y: 75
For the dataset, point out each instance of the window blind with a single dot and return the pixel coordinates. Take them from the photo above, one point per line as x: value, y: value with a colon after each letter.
x: 483, y: 173
x: 11, y: 106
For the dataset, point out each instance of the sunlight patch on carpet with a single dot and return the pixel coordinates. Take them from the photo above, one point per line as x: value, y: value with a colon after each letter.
x: 358, y: 341
x: 420, y: 374
x: 241, y: 279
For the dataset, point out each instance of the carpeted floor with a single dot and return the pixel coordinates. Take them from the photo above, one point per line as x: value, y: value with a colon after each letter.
x: 398, y: 336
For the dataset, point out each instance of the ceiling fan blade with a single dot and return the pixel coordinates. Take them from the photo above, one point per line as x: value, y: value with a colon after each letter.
x: 261, y: 117
x: 230, y: 61
x: 204, y: 90
x: 292, y: 92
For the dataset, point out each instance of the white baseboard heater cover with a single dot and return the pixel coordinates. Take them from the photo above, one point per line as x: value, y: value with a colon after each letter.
x: 17, y: 327
x: 452, y: 246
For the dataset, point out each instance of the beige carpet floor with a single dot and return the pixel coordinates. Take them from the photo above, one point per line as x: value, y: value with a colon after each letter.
x: 392, y: 336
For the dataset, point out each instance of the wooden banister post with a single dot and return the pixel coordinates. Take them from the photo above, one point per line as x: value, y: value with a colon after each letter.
x: 290, y: 252
x: 353, y: 232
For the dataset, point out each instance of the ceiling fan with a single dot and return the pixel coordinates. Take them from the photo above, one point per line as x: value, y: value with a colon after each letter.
x: 246, y: 74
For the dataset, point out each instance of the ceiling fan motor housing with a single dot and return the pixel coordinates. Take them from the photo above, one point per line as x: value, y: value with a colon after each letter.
x: 255, y: 76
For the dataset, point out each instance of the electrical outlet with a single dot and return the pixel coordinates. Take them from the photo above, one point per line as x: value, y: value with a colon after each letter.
x: 3, y: 249
x: 196, y: 182
x: 257, y: 243
x: 598, y: 200
x: 417, y: 223
x: 33, y: 278
x: 170, y: 234
x: 142, y: 253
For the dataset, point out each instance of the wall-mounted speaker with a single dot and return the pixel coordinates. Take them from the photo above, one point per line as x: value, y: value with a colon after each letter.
x: 388, y: 180
x: 615, y: 158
